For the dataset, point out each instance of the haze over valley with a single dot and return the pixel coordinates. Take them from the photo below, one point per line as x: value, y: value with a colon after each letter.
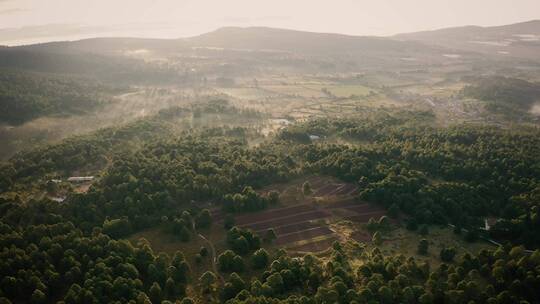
x: 261, y: 164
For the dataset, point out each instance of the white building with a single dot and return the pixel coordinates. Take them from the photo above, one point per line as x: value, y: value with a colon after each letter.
x: 80, y: 179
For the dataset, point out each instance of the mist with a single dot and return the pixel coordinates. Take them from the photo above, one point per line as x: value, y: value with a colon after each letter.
x: 29, y: 21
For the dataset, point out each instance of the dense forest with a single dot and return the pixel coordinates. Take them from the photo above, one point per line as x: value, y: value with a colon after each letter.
x: 255, y: 165
x: 456, y: 175
x: 54, y: 261
x: 503, y: 93
x: 150, y: 175
x: 26, y: 96
x: 110, y: 69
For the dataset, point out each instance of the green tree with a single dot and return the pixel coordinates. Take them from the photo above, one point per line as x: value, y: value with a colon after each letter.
x: 184, y: 234
x: 228, y: 222
x: 228, y: 262
x: 155, y: 293
x: 275, y: 281
x: 203, y: 219
x: 270, y: 235
x: 51, y: 187
x: 393, y: 210
x: 273, y: 197
x: 386, y: 295
x: 38, y: 297
x: 447, y: 254
x: 326, y: 295
x: 372, y: 225
x: 170, y: 288
x: 306, y: 188
x: 471, y: 235
x: 238, y: 264
x: 208, y: 282
x: 117, y: 228
x: 423, y: 247
x: 377, y: 238
x: 426, y: 298
x: 187, y: 300
x: 424, y: 230
x: 412, y: 224
x: 260, y: 259
x: 198, y: 259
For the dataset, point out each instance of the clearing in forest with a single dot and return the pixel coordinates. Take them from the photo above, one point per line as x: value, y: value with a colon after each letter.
x: 302, y: 222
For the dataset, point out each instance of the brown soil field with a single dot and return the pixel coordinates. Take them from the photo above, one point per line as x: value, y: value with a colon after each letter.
x: 296, y: 218
x: 294, y: 228
x: 302, y: 224
x: 303, y: 235
x: 82, y: 188
x: 364, y: 208
x: 317, y: 181
x: 336, y: 189
x: 326, y: 190
x: 315, y: 246
x: 361, y: 236
x: 217, y: 214
x: 272, y: 214
x: 364, y: 218
x: 348, y: 202
x: 347, y: 189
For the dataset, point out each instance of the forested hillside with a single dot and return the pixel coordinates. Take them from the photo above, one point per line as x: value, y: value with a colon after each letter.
x: 26, y: 96
x: 261, y: 165
x: 152, y: 176
x: 504, y: 94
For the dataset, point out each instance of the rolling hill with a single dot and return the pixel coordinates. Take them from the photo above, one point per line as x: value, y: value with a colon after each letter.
x: 364, y: 51
x: 112, y: 58
x: 263, y: 38
x: 520, y: 40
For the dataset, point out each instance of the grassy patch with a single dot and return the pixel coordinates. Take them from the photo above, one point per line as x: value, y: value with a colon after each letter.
x: 402, y: 241
x: 161, y: 241
x: 350, y: 90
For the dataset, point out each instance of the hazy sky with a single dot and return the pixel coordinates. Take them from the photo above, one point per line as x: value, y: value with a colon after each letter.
x: 26, y: 21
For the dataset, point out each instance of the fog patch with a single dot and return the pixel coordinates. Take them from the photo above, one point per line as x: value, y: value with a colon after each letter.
x: 535, y: 109
x: 528, y: 37
x: 493, y: 43
x: 452, y: 56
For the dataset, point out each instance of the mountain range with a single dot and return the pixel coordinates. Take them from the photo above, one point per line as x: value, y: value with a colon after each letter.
x: 519, y: 41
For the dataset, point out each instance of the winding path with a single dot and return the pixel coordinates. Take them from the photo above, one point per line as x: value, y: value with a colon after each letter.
x: 213, y: 257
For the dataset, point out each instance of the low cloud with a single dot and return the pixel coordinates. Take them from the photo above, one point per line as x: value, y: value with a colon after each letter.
x: 230, y: 19
x: 12, y: 11
x: 56, y: 32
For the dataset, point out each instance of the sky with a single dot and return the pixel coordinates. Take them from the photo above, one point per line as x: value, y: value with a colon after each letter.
x: 32, y: 21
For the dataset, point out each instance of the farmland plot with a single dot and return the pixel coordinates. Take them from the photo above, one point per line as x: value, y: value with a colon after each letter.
x: 304, y: 222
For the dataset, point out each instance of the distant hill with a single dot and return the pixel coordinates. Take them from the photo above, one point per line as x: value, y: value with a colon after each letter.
x: 362, y: 49
x: 511, y: 91
x: 515, y: 40
x: 263, y: 38
x: 250, y: 38
x: 25, y: 96
x: 94, y: 55
x: 109, y: 56
x: 76, y: 58
x: 106, y: 46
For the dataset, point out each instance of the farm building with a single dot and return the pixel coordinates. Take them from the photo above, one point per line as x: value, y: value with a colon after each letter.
x: 80, y: 179
x: 58, y: 199
x: 489, y: 222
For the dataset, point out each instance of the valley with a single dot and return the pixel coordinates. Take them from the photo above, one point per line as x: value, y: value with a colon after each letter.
x: 262, y: 165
